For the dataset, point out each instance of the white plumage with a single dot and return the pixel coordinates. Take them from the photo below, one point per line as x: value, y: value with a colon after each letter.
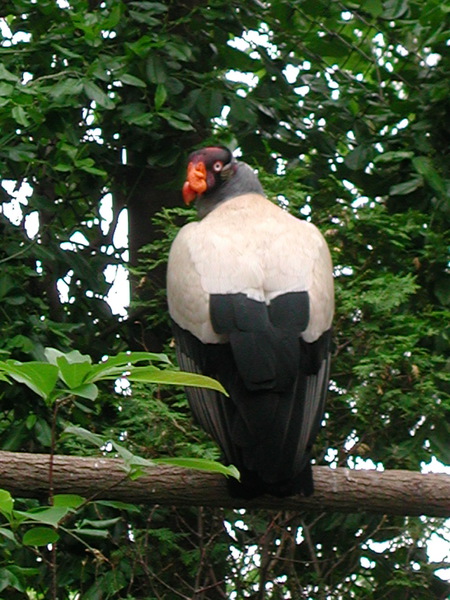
x: 248, y: 245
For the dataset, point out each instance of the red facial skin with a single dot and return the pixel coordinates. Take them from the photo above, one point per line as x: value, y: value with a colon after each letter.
x: 196, y: 181
x: 203, y: 171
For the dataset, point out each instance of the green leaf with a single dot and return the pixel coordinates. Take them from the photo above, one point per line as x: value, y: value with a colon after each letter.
x: 424, y: 166
x: 20, y: 116
x: 132, y: 460
x: 201, y: 464
x: 114, y: 16
x: 401, y: 189
x: 63, y: 168
x: 74, y: 368
x: 144, y: 18
x: 68, y: 500
x: 22, y: 342
x: 118, y: 505
x: 64, y: 51
x: 43, y: 431
x: 66, y: 87
x: 150, y: 7
x: 40, y: 536
x: 132, y: 80
x: 168, y: 377
x: 15, y: 577
x: 393, y: 156
x: 22, y: 152
x: 156, y: 70
x: 358, y: 158
x: 94, y: 92
x: 130, y: 358
x: 179, y: 50
x: 31, y: 421
x: 52, y: 355
x: 115, y: 366
x: 135, y: 463
x: 73, y: 374
x: 85, y: 435
x: 95, y: 533
x: 6, y: 503
x: 141, y: 120
x: 331, y: 46
x: 178, y: 121
x: 7, y: 533
x: 142, y: 47
x: 393, y: 9
x: 16, y: 300
x: 374, y: 7
x: 6, y: 89
x: 94, y: 171
x: 7, y: 285
x: 88, y: 165
x: 87, y: 390
x: 87, y: 410
x: 6, y: 75
x: 38, y: 376
x: 160, y: 95
x: 8, y: 579
x: 99, y: 523
x: 50, y: 515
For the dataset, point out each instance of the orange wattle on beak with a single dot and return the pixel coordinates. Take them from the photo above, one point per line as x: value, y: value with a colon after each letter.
x: 195, y: 183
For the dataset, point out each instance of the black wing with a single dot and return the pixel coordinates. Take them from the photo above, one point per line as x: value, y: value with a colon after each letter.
x: 277, y: 384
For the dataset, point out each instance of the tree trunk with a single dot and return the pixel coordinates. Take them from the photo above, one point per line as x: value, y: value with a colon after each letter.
x: 342, y: 490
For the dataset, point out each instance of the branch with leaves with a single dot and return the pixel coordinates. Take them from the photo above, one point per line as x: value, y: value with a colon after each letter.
x: 180, y: 481
x: 68, y: 375
x: 395, y: 492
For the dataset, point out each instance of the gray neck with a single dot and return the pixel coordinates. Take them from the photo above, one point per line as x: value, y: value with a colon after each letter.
x: 244, y: 181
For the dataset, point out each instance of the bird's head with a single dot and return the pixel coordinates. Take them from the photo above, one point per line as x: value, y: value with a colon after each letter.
x: 208, y: 168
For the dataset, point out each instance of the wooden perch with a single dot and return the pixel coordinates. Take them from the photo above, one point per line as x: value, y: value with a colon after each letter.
x: 341, y: 490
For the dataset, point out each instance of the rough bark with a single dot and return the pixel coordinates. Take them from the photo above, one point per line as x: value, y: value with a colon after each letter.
x: 342, y: 490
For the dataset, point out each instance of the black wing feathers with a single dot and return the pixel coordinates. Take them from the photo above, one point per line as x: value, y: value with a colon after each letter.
x: 264, y: 339
x: 277, y: 384
x: 290, y: 311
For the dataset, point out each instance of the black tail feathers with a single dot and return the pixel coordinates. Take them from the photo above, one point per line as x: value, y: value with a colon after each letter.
x: 252, y: 485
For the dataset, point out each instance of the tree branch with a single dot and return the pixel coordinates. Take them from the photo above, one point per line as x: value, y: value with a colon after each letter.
x: 342, y: 490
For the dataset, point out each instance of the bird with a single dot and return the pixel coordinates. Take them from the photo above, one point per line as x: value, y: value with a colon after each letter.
x: 251, y: 300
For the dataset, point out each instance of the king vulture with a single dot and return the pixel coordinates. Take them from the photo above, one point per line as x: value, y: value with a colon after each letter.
x: 250, y: 295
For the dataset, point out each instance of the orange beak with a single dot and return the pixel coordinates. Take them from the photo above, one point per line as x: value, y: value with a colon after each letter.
x: 196, y: 181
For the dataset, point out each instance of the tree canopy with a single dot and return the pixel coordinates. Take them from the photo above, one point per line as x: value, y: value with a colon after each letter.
x: 343, y: 108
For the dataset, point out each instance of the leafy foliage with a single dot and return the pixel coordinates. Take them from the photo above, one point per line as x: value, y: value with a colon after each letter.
x: 45, y: 526
x: 343, y: 108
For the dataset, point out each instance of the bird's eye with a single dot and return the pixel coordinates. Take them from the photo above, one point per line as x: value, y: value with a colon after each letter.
x: 217, y: 166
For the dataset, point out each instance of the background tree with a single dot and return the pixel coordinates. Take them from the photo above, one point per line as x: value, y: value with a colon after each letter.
x: 343, y: 107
